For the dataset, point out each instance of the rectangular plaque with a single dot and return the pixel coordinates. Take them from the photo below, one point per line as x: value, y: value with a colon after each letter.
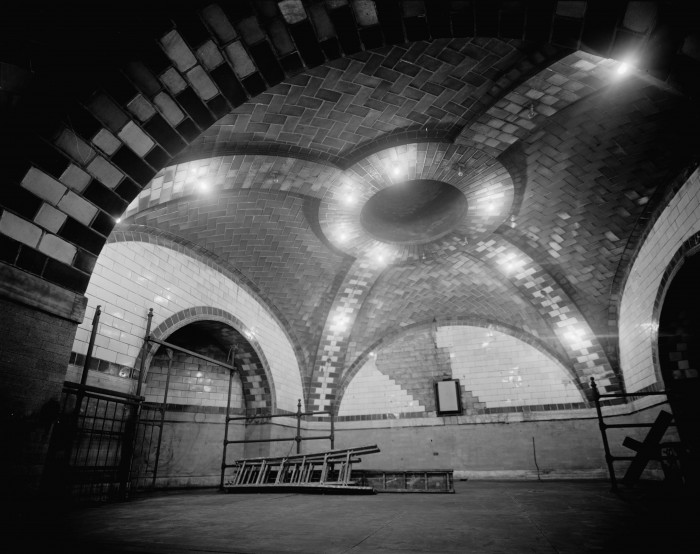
x: 448, y: 398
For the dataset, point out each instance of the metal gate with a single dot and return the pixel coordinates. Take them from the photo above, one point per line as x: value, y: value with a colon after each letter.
x: 92, y: 444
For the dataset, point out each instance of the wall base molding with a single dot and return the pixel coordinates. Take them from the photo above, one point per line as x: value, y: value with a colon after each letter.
x: 545, y: 475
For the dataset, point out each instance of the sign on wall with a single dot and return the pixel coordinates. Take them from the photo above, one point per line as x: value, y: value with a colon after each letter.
x: 447, y: 397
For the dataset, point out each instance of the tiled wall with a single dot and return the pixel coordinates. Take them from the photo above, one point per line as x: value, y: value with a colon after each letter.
x: 503, y: 371
x: 101, y: 379
x: 193, y: 382
x: 495, y: 370
x: 131, y: 277
x: 637, y: 326
x: 563, y: 448
x: 372, y: 392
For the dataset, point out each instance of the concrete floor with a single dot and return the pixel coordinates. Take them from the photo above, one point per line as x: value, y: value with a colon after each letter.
x: 483, y: 516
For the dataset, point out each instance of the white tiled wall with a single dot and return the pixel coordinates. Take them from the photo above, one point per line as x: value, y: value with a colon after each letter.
x: 372, y: 392
x: 679, y: 221
x: 503, y: 371
x: 131, y: 277
x: 500, y: 370
x: 192, y: 382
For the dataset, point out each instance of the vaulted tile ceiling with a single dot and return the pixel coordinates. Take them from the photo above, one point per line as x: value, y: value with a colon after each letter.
x: 367, y: 166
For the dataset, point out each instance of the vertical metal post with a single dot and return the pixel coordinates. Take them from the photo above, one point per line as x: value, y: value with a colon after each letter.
x: 128, y: 445
x: 298, y: 436
x: 91, y: 344
x: 604, y: 434
x: 332, y: 432
x: 162, y: 415
x: 228, y: 410
x: 142, y: 367
x: 74, y: 421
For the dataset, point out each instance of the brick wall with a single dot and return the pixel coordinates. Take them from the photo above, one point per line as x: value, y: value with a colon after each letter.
x: 638, y: 325
x: 34, y: 353
x: 130, y: 278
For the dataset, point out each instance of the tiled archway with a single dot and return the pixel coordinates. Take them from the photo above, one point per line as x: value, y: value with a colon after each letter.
x: 258, y: 386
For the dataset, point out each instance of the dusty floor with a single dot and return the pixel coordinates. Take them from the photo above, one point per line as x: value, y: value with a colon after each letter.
x: 483, y: 516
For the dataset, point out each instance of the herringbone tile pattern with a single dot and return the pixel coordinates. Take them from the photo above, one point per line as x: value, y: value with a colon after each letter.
x: 268, y: 238
x: 591, y: 174
x: 456, y: 286
x: 337, y: 109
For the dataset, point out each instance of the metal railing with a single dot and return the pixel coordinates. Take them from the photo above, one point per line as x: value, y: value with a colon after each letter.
x: 90, y: 455
x: 298, y: 438
x: 661, y: 454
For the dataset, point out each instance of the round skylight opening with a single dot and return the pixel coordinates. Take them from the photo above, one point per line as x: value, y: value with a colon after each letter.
x: 413, y: 212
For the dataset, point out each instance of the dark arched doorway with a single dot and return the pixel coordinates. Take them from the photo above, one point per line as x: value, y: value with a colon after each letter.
x: 679, y: 352
x: 186, y: 397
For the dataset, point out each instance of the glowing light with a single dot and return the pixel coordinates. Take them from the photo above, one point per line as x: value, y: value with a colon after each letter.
x: 575, y: 336
x: 340, y: 322
x: 349, y: 199
x: 203, y: 186
x: 511, y: 263
x: 396, y: 171
x: 119, y: 220
x: 623, y: 68
x: 342, y: 237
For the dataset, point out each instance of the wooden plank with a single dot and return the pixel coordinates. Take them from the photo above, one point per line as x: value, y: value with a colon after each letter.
x: 648, y: 449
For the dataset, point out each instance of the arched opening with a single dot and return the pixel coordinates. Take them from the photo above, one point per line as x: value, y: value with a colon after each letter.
x: 190, y: 394
x: 679, y: 350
